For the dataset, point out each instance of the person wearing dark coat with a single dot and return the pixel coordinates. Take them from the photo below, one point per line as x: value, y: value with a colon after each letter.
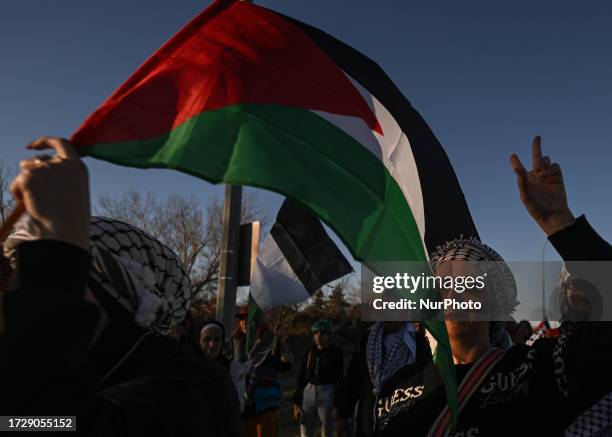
x: 320, y: 371
x: 357, y: 389
x: 90, y: 328
x: 556, y: 386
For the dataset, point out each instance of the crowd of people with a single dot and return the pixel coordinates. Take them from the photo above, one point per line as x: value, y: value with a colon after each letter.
x: 95, y: 322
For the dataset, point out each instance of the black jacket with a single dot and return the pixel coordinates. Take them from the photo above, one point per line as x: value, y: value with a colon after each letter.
x: 319, y: 367
x: 356, y: 386
x: 45, y: 369
x: 580, y: 242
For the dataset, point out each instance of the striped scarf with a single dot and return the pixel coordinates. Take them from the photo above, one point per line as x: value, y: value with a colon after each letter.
x: 382, y: 364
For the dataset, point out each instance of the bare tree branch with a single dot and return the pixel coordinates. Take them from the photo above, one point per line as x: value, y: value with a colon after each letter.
x: 191, y: 231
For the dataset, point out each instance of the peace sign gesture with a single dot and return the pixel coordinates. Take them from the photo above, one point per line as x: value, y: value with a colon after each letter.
x: 542, y: 190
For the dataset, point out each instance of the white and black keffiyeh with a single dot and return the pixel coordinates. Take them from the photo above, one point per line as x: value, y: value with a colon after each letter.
x: 504, y: 285
x: 142, y: 274
x: 594, y: 422
x: 597, y: 420
x: 382, y: 364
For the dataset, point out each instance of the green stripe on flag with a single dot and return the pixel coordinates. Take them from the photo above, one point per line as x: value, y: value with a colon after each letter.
x: 443, y: 359
x: 294, y: 152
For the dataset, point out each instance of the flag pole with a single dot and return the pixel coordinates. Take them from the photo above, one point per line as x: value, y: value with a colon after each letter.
x: 228, y: 262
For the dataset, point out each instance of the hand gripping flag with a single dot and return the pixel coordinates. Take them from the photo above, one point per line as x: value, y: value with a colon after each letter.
x: 244, y: 95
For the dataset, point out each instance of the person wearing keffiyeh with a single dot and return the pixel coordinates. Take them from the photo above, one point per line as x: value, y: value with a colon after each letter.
x: 391, y: 346
x: 468, y: 253
x: 519, y: 377
x: 565, y: 374
x: 90, y: 325
x: 145, y: 294
x: 385, y: 349
x: 143, y: 275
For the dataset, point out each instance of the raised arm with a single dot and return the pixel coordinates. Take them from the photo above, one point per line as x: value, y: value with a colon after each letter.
x: 46, y: 319
x: 542, y: 190
x: 543, y: 193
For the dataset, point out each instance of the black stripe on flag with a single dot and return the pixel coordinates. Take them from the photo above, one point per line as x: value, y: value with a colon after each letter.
x: 446, y: 212
x: 310, y: 252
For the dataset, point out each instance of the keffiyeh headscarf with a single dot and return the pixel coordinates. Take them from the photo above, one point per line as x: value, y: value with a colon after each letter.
x: 142, y: 274
x: 504, y: 286
x: 382, y: 364
x: 586, y: 290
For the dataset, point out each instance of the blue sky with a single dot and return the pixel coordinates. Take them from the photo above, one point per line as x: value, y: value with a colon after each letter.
x: 487, y: 77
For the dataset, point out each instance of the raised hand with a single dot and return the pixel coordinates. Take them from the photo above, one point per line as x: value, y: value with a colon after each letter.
x: 55, y: 192
x: 542, y: 190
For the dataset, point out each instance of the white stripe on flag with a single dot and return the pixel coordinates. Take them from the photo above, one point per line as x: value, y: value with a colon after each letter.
x: 392, y: 148
x: 274, y: 282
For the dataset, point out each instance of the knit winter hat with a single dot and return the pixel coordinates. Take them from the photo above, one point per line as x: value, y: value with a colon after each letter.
x: 322, y: 326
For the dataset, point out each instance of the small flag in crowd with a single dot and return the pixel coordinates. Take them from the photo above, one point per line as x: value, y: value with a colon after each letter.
x: 296, y: 259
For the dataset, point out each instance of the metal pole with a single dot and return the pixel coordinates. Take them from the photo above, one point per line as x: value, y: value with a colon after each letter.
x: 228, y: 263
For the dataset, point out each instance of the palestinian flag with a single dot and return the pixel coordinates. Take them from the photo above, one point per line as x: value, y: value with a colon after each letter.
x: 296, y: 259
x: 244, y: 95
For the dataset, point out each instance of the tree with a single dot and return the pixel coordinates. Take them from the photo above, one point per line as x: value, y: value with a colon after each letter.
x: 183, y: 224
x: 6, y: 199
x: 318, y: 306
x: 337, y: 304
